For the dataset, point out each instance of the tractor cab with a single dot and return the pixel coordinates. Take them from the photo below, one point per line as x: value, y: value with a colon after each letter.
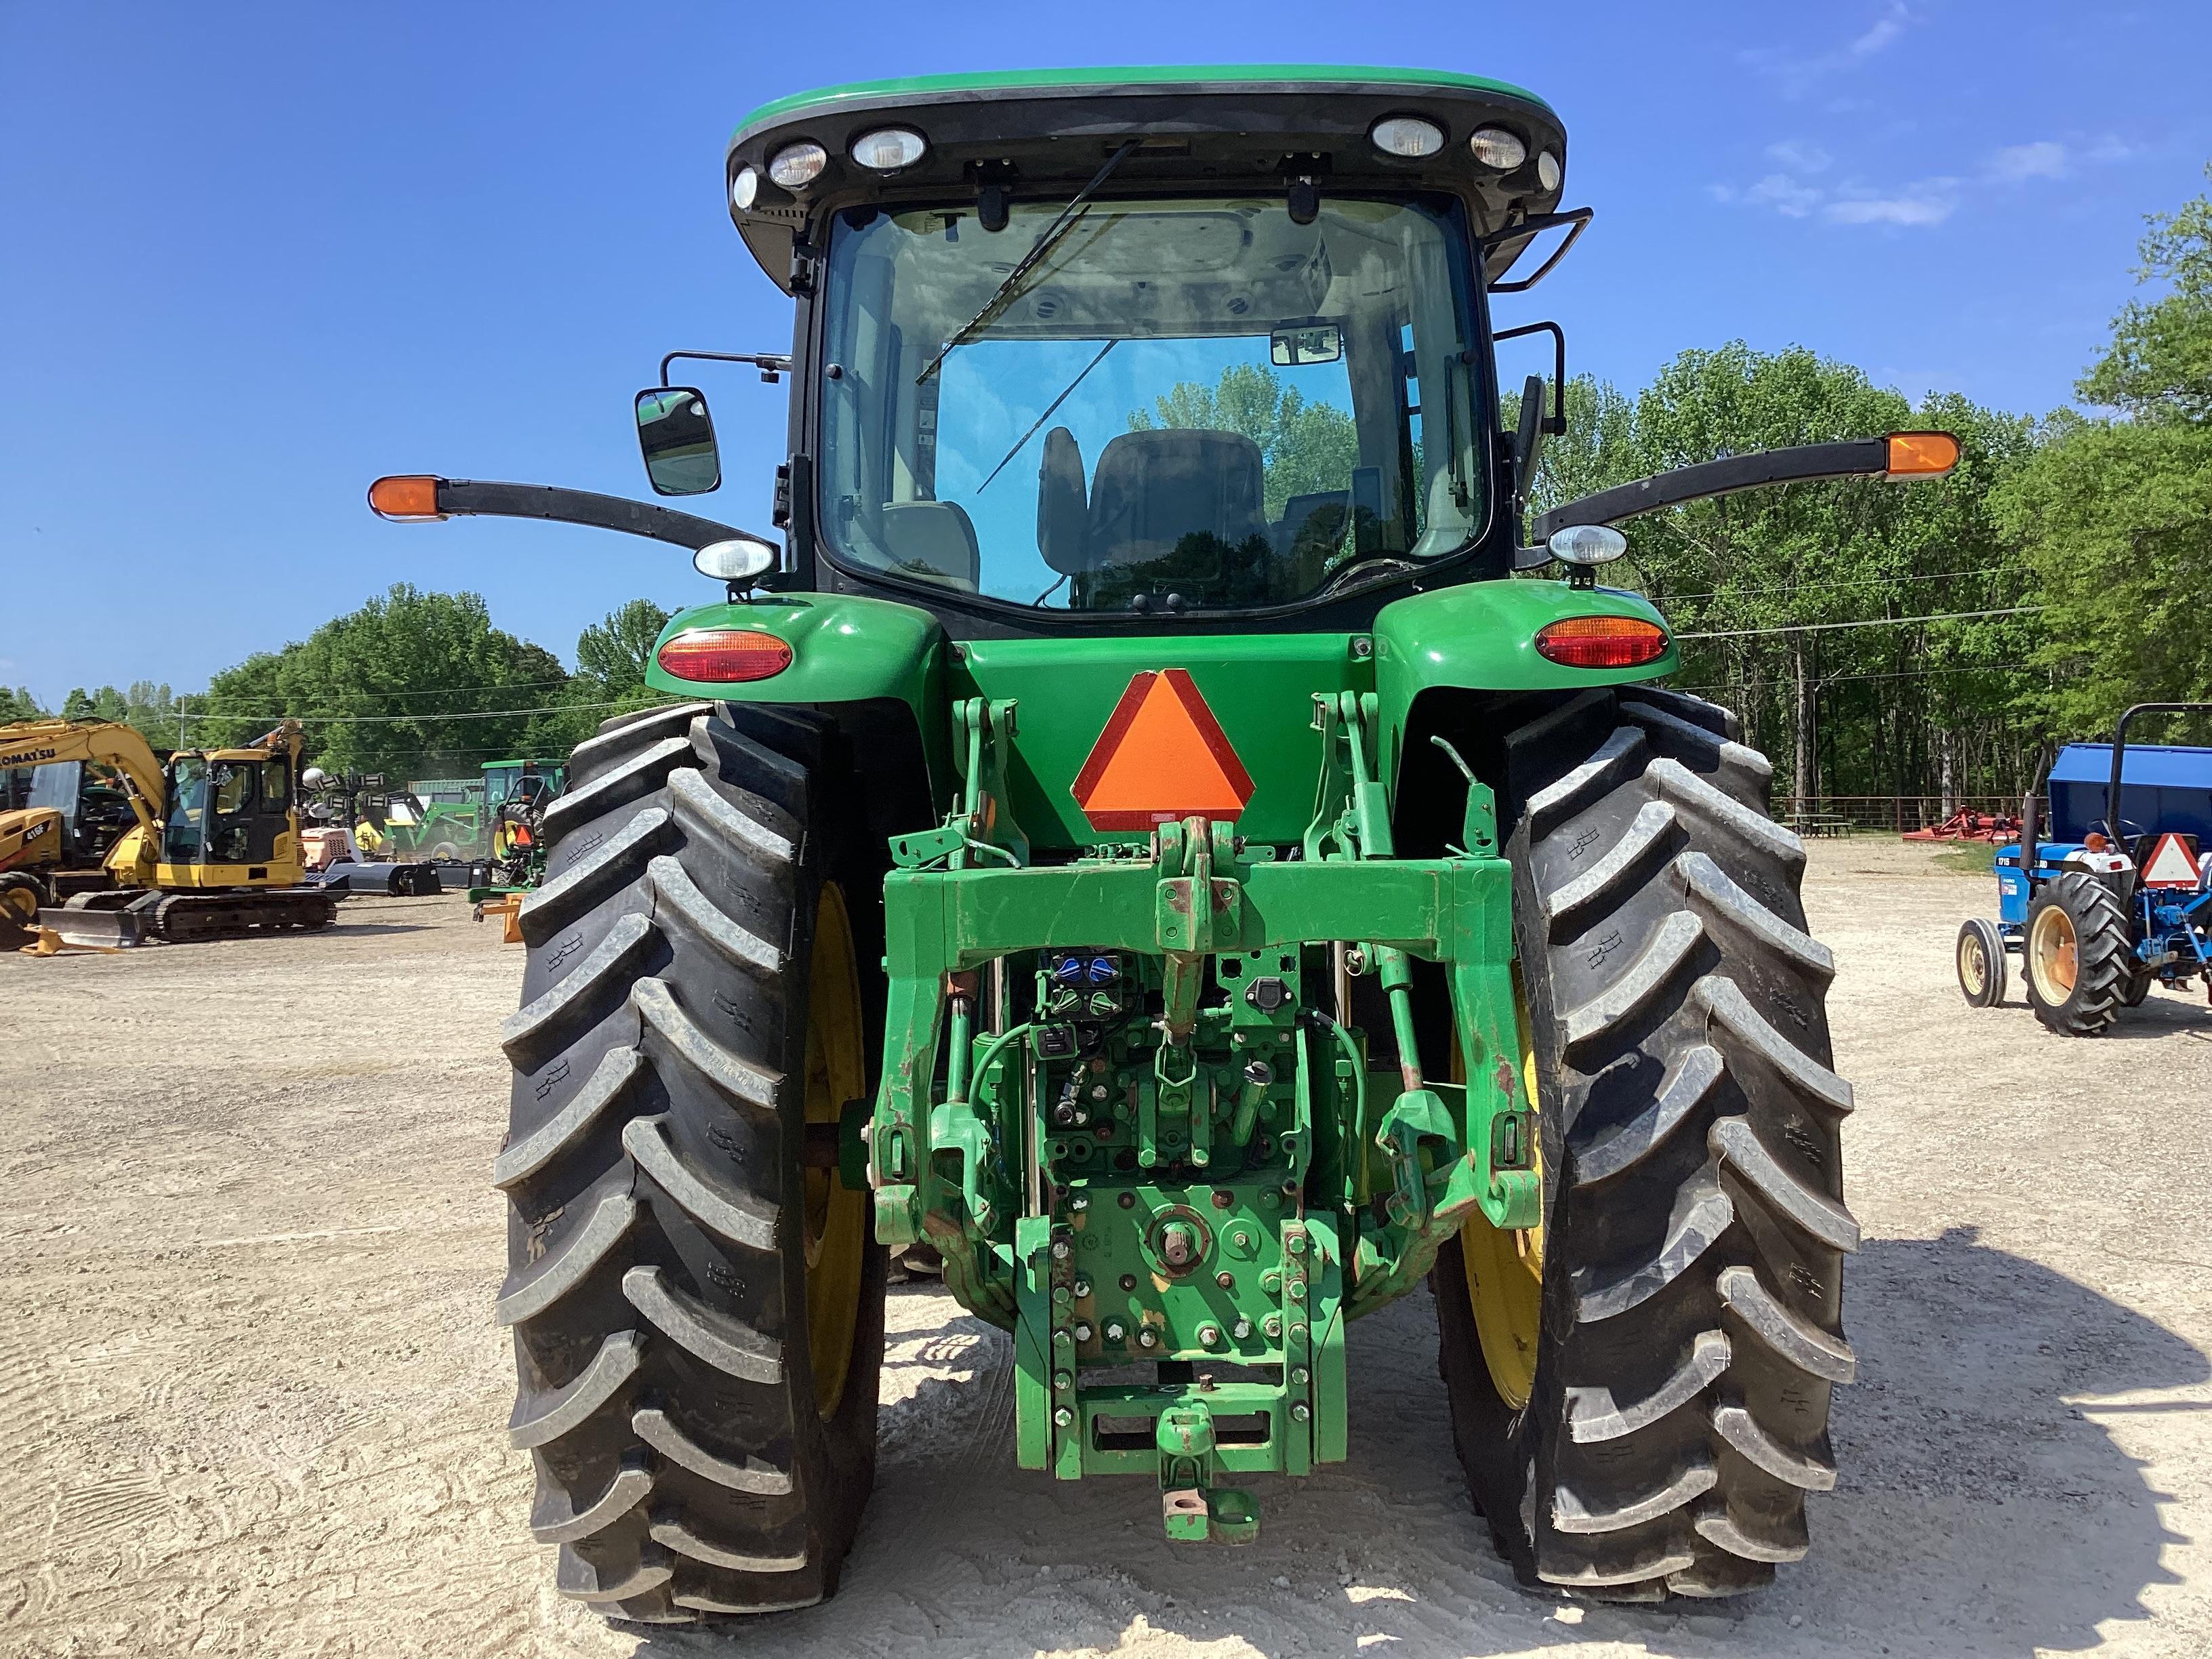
x: 1075, y: 349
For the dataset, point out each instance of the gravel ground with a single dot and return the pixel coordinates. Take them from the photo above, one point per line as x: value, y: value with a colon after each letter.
x: 251, y: 1399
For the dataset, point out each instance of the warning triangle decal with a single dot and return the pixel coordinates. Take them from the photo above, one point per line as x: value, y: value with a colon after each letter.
x: 1162, y: 757
x: 2170, y: 863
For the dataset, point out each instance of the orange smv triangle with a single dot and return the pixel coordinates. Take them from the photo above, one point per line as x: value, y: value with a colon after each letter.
x: 2170, y: 865
x: 1162, y: 757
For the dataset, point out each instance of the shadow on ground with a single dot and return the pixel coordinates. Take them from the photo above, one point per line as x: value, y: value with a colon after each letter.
x: 1979, y: 1513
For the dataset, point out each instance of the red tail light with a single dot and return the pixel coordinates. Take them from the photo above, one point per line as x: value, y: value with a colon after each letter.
x: 1601, y: 642
x: 725, y: 655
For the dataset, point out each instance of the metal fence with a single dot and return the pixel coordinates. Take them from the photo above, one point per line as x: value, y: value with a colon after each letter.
x: 1892, y: 814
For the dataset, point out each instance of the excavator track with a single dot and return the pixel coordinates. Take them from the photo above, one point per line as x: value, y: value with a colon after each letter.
x: 187, y: 918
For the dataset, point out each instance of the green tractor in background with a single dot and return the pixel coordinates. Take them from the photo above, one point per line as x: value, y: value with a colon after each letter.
x: 461, y: 819
x: 1138, y: 836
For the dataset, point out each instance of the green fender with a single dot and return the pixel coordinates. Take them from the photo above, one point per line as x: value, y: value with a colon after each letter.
x: 1482, y: 637
x: 844, y: 649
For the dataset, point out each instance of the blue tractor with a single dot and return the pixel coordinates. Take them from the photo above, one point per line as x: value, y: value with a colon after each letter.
x: 2117, y: 898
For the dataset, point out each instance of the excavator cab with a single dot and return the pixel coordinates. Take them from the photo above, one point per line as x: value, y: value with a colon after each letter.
x: 231, y: 820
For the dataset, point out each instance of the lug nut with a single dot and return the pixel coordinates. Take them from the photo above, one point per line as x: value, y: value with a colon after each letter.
x: 1060, y: 1249
x: 1099, y: 1092
x: 1299, y: 1410
x: 1242, y: 1330
x: 1147, y: 1337
x: 1128, y: 1281
x: 1115, y: 1330
x: 1300, y: 1376
x: 1209, y: 1336
x: 1227, y: 1280
x: 1082, y: 1286
x: 1273, y: 1326
x: 1241, y: 1239
x: 1079, y: 1203
x: 1063, y: 1418
x: 1063, y: 1382
x: 1082, y: 1332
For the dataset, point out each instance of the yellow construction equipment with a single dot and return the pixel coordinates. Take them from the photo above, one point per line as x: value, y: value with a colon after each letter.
x: 212, y: 849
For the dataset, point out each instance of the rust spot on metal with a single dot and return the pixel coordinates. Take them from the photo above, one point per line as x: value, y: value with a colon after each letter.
x: 1501, y: 1076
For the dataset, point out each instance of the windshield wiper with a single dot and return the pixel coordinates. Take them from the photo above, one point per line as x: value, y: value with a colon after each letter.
x: 1008, y: 291
x: 1047, y: 414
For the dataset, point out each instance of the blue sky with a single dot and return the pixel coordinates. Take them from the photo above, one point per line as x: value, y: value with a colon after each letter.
x: 253, y: 256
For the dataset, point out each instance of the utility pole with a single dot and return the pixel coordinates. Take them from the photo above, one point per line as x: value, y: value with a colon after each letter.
x: 180, y: 719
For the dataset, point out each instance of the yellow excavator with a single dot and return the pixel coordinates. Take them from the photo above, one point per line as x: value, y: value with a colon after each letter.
x: 105, y: 845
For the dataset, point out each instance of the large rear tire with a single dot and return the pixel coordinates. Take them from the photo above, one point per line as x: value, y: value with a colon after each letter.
x: 697, y: 1306
x: 1676, y: 1411
x: 2075, y: 957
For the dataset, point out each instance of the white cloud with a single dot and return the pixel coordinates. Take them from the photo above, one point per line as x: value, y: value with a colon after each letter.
x: 1799, y: 155
x: 2016, y: 163
x: 1885, y: 29
x: 1785, y: 195
x: 1799, y: 71
x: 1930, y: 202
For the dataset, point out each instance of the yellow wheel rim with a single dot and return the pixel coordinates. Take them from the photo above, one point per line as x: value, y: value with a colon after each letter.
x: 2051, y: 957
x: 835, y: 1217
x: 1505, y: 1269
x: 1973, y: 967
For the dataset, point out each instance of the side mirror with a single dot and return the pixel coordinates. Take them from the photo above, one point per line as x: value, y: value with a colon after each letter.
x: 677, y: 435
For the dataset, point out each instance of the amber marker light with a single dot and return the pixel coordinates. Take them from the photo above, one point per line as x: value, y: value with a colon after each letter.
x: 1601, y: 642
x: 405, y: 498
x: 1921, y: 454
x: 724, y: 656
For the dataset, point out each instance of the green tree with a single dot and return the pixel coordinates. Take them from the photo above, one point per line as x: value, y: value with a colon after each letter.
x: 1305, y: 448
x: 19, y: 705
x: 611, y: 657
x: 2116, y: 513
x: 150, y: 708
x: 2159, y: 366
x: 411, y: 685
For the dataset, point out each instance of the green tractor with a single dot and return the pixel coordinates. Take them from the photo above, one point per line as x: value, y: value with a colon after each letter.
x: 462, y: 819
x: 1150, y: 834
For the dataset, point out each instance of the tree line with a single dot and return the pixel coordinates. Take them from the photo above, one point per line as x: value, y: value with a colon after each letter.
x: 1938, y: 640
x: 411, y: 685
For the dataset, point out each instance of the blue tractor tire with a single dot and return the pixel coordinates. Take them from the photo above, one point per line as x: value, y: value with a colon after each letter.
x: 1980, y: 958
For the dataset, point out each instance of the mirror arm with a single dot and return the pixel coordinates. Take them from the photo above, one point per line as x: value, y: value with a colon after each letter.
x: 770, y: 363
x: 1861, y: 458
x: 466, y: 497
x: 1555, y: 423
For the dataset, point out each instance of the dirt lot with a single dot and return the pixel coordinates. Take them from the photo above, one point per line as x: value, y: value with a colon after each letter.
x: 251, y: 1399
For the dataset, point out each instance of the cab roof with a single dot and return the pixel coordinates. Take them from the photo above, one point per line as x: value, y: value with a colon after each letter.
x: 1041, y: 133
x: 907, y: 90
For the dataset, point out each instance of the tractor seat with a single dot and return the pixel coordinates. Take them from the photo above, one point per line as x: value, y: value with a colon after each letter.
x: 1153, y: 490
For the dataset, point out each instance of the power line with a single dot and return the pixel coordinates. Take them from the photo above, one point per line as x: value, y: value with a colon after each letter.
x: 1753, y: 686
x: 1875, y: 622
x: 1800, y: 587
x: 402, y: 720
